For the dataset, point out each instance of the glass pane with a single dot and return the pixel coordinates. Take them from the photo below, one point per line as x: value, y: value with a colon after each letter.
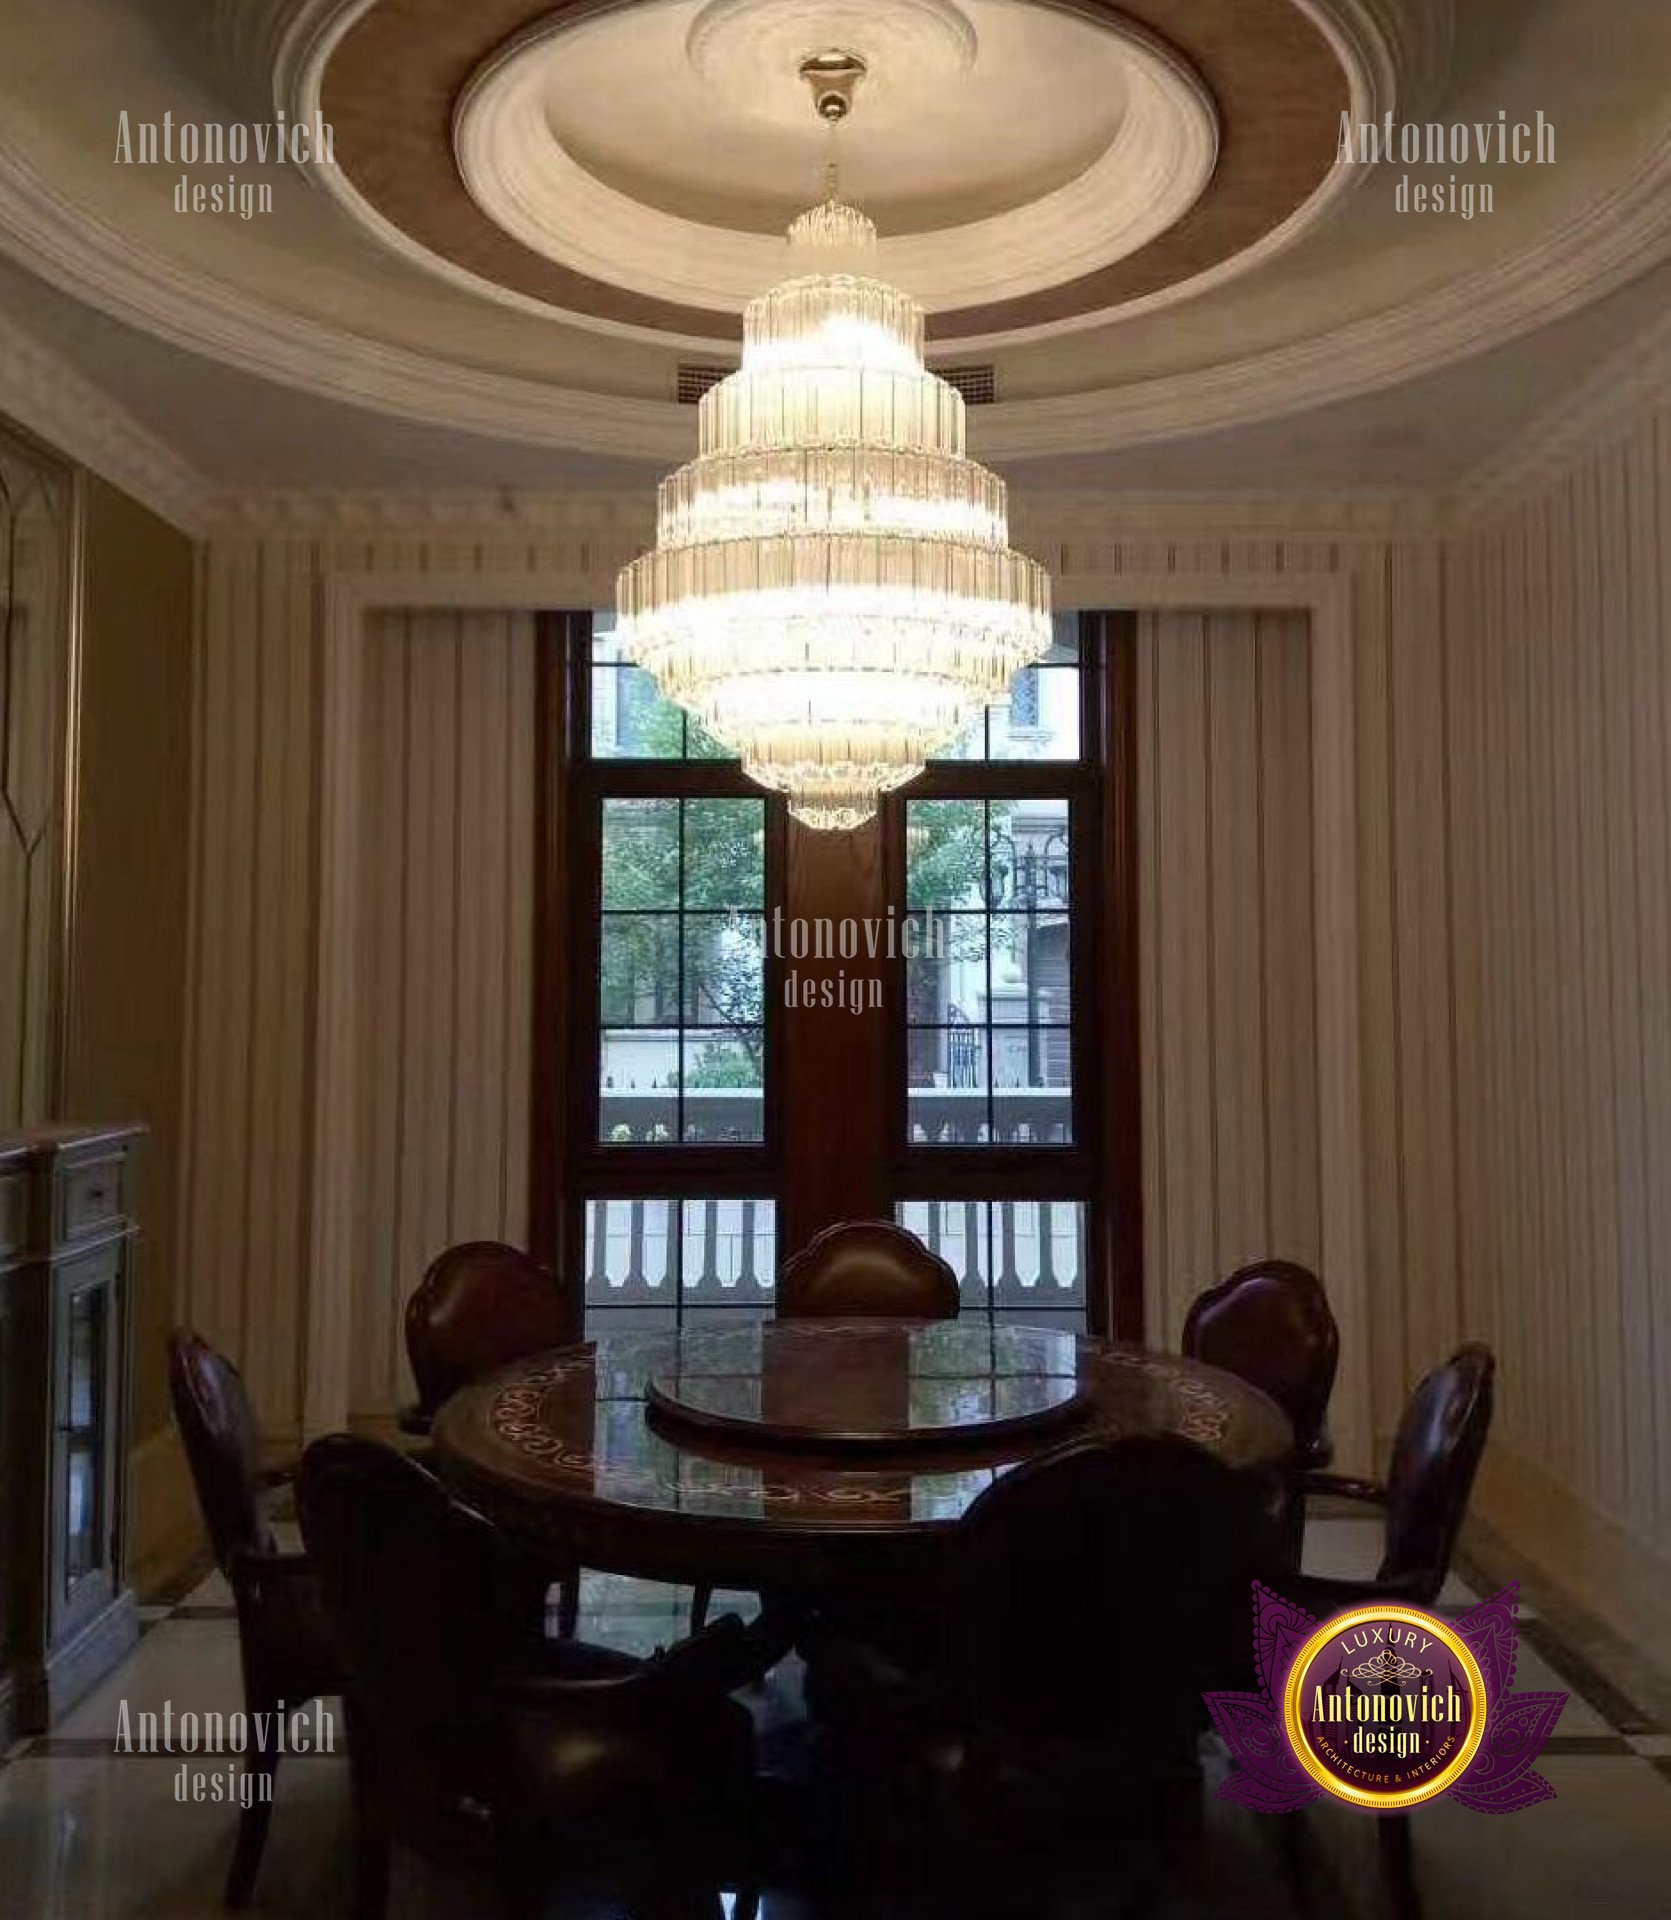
x: 723, y: 1080
x: 700, y: 744
x: 994, y: 977
x: 638, y: 1086
x: 729, y: 1253
x: 86, y: 1358
x: 631, y: 720
x: 1038, y: 1256
x: 640, y: 853
x: 957, y: 1230
x: 947, y: 1093
x: 945, y: 853
x: 946, y: 981
x: 631, y: 1253
x: 970, y: 744
x: 1032, y: 1070
x: 1023, y: 1259
x: 81, y: 1520
x: 725, y: 853
x: 725, y: 969
x: 1031, y: 970
x: 1029, y: 855
x: 1040, y: 717
x: 652, y: 1263
x: 638, y: 969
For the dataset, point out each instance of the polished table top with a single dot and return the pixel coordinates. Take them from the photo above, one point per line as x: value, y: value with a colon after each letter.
x: 566, y: 1442
x: 893, y: 1386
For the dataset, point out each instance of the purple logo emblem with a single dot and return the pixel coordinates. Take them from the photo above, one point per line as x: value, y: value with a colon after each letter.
x: 1385, y: 1706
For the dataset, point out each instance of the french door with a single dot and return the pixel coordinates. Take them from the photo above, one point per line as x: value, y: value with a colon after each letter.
x: 747, y: 1030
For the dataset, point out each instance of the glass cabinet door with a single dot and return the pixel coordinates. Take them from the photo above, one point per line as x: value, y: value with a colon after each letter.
x: 85, y: 1387
x: 84, y: 1399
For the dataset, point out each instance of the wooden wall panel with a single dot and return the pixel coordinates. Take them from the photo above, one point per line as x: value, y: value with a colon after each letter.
x: 36, y: 531
x: 1229, y: 1014
x: 125, y: 1050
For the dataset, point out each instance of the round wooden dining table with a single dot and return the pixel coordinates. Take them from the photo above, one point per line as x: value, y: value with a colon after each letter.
x: 805, y: 1456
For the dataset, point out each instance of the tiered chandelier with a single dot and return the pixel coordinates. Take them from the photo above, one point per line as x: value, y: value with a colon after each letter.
x: 832, y: 591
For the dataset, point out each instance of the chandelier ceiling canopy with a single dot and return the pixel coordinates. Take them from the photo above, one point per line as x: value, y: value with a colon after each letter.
x: 832, y: 592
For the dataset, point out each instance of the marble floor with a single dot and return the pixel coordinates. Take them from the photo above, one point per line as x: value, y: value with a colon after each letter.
x: 87, y: 1833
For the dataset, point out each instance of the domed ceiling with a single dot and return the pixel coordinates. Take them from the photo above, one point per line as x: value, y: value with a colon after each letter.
x: 1030, y: 167
x: 1135, y: 214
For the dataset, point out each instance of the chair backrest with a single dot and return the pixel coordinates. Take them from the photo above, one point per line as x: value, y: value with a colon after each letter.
x: 222, y: 1439
x: 422, y: 1601
x: 1270, y: 1324
x: 871, y: 1268
x: 1101, y: 1590
x: 481, y: 1305
x: 1436, y: 1454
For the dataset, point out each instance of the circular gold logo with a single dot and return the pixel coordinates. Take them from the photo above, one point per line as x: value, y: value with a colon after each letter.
x: 1385, y: 1707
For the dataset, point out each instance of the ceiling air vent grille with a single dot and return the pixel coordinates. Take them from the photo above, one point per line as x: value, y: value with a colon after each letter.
x: 695, y: 379
x: 978, y: 385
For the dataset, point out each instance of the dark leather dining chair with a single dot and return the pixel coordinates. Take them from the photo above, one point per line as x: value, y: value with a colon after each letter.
x: 867, y: 1268
x: 474, y: 1744
x: 1424, y: 1499
x: 1270, y: 1324
x: 1088, y: 1601
x: 480, y: 1305
x: 283, y: 1643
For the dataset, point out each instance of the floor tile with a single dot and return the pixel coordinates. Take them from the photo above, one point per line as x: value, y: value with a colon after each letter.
x: 86, y: 1834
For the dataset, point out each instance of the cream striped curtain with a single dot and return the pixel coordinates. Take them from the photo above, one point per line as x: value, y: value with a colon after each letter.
x: 1227, y: 959
x: 447, y: 945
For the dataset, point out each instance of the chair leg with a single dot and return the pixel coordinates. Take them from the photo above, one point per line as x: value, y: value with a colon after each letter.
x: 568, y: 1607
x: 1291, y: 1529
x: 252, y: 1827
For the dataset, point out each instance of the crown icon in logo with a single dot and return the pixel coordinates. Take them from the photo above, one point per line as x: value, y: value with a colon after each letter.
x: 1386, y: 1666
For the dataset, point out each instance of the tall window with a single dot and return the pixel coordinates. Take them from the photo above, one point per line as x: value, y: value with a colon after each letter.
x: 994, y: 1171
x: 674, y: 860
x: 714, y: 1083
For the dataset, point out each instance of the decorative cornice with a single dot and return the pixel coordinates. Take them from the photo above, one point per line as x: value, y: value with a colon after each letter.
x: 1587, y: 257
x: 1594, y: 253
x: 1609, y: 242
x: 44, y: 393
x: 627, y: 515
x: 1606, y: 404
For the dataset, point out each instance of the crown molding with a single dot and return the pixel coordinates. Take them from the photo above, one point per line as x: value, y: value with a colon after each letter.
x: 1606, y: 404
x: 627, y: 515
x: 43, y: 392
x: 1608, y: 243
x: 1590, y: 255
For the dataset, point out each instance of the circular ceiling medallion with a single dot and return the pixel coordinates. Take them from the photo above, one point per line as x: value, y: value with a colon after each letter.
x: 1034, y: 165
x: 1114, y: 140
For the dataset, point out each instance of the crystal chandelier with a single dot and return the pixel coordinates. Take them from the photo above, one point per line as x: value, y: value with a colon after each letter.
x: 832, y: 591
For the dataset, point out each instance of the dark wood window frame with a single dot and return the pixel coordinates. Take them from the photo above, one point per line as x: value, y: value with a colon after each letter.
x: 820, y: 1157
